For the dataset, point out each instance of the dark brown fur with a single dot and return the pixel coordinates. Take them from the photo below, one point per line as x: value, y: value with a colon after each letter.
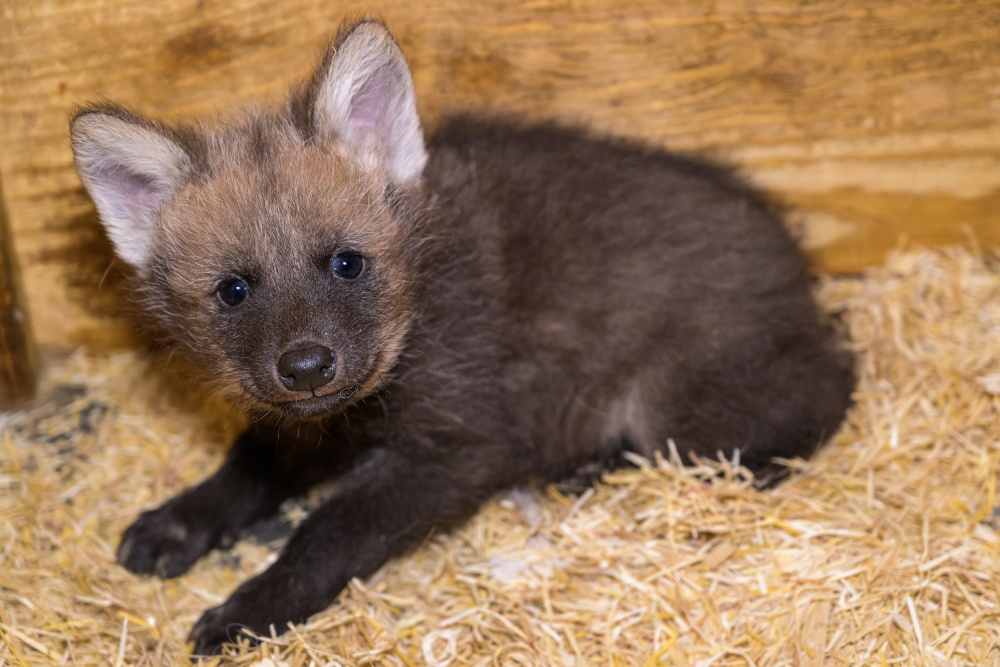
x: 539, y: 300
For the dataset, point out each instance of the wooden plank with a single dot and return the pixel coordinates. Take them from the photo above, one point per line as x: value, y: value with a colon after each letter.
x: 869, y: 119
x: 17, y: 347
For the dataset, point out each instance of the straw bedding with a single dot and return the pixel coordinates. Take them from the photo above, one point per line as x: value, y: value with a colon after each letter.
x: 883, y: 550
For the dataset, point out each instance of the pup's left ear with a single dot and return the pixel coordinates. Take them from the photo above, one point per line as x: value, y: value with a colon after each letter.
x: 364, y: 97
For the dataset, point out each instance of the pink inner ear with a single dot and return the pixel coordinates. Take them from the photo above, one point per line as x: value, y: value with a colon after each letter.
x: 134, y: 194
x: 370, y: 104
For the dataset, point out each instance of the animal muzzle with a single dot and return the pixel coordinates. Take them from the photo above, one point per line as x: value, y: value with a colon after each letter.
x: 307, y: 368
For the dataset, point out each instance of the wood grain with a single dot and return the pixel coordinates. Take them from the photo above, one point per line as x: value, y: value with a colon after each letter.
x: 17, y: 347
x: 871, y: 120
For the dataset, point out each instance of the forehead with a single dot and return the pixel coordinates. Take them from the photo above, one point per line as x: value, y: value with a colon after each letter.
x: 267, y: 196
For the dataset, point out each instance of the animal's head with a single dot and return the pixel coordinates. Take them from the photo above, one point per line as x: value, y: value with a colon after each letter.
x: 278, y: 247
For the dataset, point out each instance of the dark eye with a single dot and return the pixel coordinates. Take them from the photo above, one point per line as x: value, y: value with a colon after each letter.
x: 347, y: 266
x: 233, y: 292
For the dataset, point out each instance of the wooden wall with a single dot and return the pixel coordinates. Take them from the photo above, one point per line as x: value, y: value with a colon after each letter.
x: 872, y: 119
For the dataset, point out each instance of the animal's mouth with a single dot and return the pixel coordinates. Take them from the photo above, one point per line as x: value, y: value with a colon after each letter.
x: 316, y: 405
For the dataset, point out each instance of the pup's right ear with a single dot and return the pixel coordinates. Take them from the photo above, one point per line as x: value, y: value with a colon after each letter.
x: 132, y: 168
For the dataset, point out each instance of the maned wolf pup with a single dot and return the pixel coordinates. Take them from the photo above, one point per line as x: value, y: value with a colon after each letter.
x: 442, y: 320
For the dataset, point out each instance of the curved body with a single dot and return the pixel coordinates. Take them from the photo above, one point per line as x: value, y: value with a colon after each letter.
x: 439, y: 320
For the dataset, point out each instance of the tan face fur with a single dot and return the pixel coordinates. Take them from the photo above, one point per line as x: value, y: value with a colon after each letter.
x: 277, y: 224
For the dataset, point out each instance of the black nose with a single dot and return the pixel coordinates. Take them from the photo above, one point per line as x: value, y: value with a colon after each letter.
x: 306, y: 368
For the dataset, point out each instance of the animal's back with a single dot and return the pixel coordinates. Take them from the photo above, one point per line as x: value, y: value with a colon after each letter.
x: 638, y: 295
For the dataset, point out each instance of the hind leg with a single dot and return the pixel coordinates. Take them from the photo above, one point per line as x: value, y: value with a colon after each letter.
x: 780, y: 407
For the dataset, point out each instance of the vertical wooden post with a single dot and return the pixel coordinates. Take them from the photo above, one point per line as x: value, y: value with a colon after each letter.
x: 17, y: 347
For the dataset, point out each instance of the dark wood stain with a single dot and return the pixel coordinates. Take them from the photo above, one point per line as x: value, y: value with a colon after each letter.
x: 204, y: 44
x: 17, y: 346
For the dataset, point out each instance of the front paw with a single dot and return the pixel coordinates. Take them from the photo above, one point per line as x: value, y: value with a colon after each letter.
x: 225, y: 624
x: 274, y: 600
x: 168, y: 541
x: 253, y: 611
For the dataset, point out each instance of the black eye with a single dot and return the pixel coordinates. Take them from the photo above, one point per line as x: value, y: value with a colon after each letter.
x: 233, y: 292
x: 347, y: 266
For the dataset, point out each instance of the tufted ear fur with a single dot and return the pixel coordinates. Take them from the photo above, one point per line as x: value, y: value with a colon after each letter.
x: 132, y: 168
x: 364, y: 97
